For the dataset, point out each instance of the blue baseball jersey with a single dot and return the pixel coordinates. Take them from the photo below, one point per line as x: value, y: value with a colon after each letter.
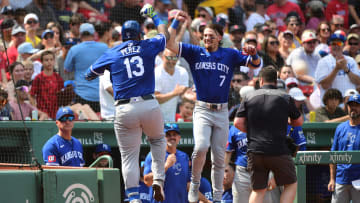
x: 227, y: 196
x: 176, y: 178
x: 212, y: 71
x: 58, y: 151
x: 144, y: 193
x: 205, y: 188
x: 298, y: 136
x: 347, y: 138
x: 237, y: 141
x: 131, y: 65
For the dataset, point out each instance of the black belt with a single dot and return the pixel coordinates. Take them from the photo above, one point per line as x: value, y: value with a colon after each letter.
x: 126, y: 101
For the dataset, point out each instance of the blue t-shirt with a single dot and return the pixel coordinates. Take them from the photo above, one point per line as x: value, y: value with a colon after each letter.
x: 176, y: 178
x: 237, y: 142
x: 227, y: 196
x: 131, y: 65
x: 212, y: 71
x: 60, y: 152
x: 79, y: 59
x: 298, y: 136
x: 347, y: 138
x: 205, y: 188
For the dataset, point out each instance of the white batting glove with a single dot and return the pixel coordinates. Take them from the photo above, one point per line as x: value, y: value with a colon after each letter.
x: 147, y: 11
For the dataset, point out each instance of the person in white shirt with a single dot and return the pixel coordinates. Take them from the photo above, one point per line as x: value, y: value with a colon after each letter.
x: 106, y: 94
x: 259, y: 16
x: 170, y: 82
x: 337, y: 70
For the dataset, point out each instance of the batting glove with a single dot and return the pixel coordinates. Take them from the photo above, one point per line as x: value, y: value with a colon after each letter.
x: 147, y: 11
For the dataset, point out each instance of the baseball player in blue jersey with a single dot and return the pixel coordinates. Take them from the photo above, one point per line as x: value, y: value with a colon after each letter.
x: 62, y: 149
x: 131, y: 66
x: 176, y: 166
x: 212, y: 70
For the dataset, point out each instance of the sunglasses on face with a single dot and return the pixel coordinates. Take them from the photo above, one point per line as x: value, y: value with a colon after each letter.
x: 171, y: 58
x: 236, y: 80
x: 29, y: 22
x: 251, y: 40
x: 202, y: 16
x: 353, y: 43
x: 66, y: 118
x: 49, y: 36
x: 325, y: 30
x: 274, y: 43
x: 338, y: 25
x: 294, y: 24
x: 337, y: 44
x: 311, y: 42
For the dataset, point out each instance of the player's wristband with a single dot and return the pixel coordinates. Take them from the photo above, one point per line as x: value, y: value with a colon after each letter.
x: 254, y: 57
x: 157, y: 20
x: 175, y: 24
x: 253, y: 65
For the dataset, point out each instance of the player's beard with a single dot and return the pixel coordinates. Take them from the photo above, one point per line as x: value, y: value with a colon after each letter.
x: 354, y: 115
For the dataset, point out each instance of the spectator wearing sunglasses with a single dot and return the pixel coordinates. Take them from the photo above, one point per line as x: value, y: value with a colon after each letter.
x: 270, y: 52
x: 22, y: 91
x: 63, y: 149
x: 47, y: 40
x: 337, y: 70
x: 42, y: 8
x: 171, y: 81
x: 31, y: 23
x: 338, y: 8
x: 352, y: 47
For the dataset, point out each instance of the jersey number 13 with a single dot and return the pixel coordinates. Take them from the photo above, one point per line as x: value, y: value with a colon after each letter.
x: 138, y: 62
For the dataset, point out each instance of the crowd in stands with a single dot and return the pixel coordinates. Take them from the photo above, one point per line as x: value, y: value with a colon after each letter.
x: 314, y: 45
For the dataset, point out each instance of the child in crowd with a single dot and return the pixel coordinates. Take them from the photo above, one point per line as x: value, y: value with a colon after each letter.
x: 46, y: 85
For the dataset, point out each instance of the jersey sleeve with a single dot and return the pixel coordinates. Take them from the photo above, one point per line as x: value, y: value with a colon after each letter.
x: 49, y: 155
x: 158, y: 43
x: 189, y: 52
x: 102, y: 63
x: 241, y: 59
x: 147, y: 164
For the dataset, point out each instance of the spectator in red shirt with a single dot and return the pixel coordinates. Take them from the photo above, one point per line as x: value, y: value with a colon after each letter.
x: 186, y: 110
x: 46, y: 85
x: 338, y: 7
x: 279, y: 10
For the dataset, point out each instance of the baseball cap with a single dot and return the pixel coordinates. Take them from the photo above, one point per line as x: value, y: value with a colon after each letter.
x: 64, y: 111
x: 6, y: 10
x: 7, y: 23
x: 17, y: 29
x: 102, y: 148
x: 352, y: 35
x: 171, y: 127
x: 70, y: 41
x: 223, y: 16
x: 350, y: 92
x: 47, y: 31
x: 31, y: 16
x: 237, y: 28
x: 290, y: 81
x: 354, y: 98
x: 354, y: 26
x: 297, y: 94
x: 26, y: 48
x: 166, y: 1
x: 288, y: 32
x: 207, y: 9
x: 308, y: 36
x: 87, y: 27
x: 220, y: 21
x: 338, y: 35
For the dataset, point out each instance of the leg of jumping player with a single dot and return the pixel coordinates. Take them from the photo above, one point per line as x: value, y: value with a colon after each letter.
x: 219, y: 139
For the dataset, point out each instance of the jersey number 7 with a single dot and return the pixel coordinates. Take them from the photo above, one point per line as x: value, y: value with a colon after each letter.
x: 138, y: 62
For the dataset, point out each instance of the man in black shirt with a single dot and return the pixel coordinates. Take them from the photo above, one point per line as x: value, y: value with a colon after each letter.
x: 263, y: 115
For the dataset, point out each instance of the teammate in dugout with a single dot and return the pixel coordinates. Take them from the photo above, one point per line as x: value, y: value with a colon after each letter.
x: 62, y: 149
x: 212, y: 70
x: 131, y: 66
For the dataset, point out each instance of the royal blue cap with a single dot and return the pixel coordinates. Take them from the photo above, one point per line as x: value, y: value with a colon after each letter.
x: 338, y: 35
x: 47, y: 31
x: 102, y: 148
x: 171, y: 127
x: 354, y: 98
x: 64, y: 111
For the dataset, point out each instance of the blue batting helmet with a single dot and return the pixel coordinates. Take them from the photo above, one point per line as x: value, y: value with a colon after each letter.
x: 130, y: 30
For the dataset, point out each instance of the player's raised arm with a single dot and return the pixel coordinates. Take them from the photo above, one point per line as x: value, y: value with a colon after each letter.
x: 255, y: 59
x: 171, y: 43
x: 148, y: 11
